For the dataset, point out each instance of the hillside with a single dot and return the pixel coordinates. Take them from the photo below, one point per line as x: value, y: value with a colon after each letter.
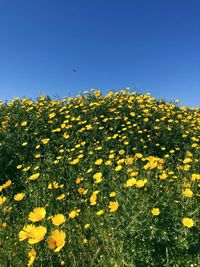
x: 96, y: 180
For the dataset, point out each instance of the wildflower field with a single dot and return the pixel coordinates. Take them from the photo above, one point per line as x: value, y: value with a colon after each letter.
x: 96, y: 180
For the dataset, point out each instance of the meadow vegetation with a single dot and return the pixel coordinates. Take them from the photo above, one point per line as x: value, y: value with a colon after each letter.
x: 97, y: 180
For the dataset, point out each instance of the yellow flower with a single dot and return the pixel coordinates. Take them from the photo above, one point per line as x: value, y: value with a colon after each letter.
x: 93, y: 198
x: 58, y: 219
x: 97, y: 93
x: 130, y: 182
x: 155, y: 211
x: 111, y: 156
x: 62, y: 196
x: 19, y: 166
x: 186, y: 167
x: 7, y: 209
x: 163, y: 176
x: 112, y: 194
x: 113, y: 206
x: 129, y: 160
x: 37, y: 234
x: 141, y: 183
x: 37, y: 214
x: 79, y: 180
x: 26, y: 169
x: 97, y: 181
x: 108, y: 162
x: 120, y: 161
x: 195, y: 176
x: 56, y: 240
x: 118, y: 168
x: 19, y: 196
x: 7, y: 184
x: 97, y: 176
x: 187, y: 193
x: 45, y: 141
x: 98, y: 162
x: 31, y: 256
x: 82, y: 191
x: 24, y: 123
x: 4, y: 225
x: 52, y: 115
x: 73, y: 214
x: 121, y: 152
x: 74, y: 162
x: 26, y: 232
x: 87, y: 225
x: 89, y: 170
x: 66, y: 136
x: 85, y: 241
x: 187, y: 160
x: 34, y: 176
x: 2, y: 200
x: 138, y: 155
x: 100, y: 212
x: 133, y: 174
x: 188, y: 222
x: 33, y: 233
x: 53, y: 185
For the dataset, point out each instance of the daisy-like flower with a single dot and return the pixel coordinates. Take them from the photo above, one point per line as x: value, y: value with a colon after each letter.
x: 155, y: 211
x: 97, y: 176
x: 24, y: 123
x: 19, y: 196
x: 195, y: 176
x: 98, y: 162
x: 93, y: 198
x: 34, y: 176
x: 56, y: 240
x: 113, y: 206
x: 73, y: 214
x: 6, y: 184
x: 118, y: 168
x: 187, y: 193
x: 188, y: 222
x: 45, y: 141
x: 37, y: 234
x: 62, y: 196
x: 66, y: 136
x: 87, y: 225
x: 112, y: 194
x: 31, y: 256
x: 4, y: 225
x: 141, y: 183
x: 130, y: 182
x: 33, y: 233
x: 187, y: 160
x: 58, y: 219
x: 74, y: 162
x: 26, y: 232
x: 37, y: 214
x: 53, y: 185
x: 2, y: 200
x: 100, y: 212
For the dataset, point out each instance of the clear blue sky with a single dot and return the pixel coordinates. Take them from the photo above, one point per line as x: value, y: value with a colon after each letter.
x: 148, y: 45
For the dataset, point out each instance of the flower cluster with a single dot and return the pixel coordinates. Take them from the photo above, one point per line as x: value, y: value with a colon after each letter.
x: 99, y: 181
